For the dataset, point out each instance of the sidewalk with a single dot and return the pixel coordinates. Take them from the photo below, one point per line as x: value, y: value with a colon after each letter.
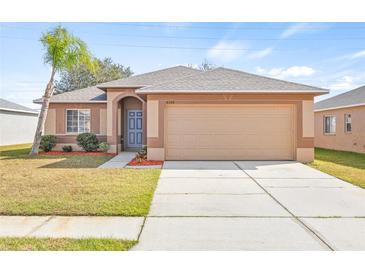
x: 125, y: 228
x: 119, y: 161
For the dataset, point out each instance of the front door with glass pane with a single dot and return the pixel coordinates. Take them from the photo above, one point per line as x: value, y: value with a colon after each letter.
x: 134, y: 128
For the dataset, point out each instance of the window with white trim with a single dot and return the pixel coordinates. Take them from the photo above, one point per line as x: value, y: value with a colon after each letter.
x: 329, y: 124
x: 348, y: 127
x: 77, y: 120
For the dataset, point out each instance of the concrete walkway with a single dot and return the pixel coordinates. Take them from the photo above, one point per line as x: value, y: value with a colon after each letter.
x: 126, y: 228
x: 252, y: 205
x: 119, y: 161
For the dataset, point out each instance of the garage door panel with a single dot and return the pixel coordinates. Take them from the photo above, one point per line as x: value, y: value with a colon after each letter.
x: 227, y: 154
x: 229, y: 132
x: 220, y: 140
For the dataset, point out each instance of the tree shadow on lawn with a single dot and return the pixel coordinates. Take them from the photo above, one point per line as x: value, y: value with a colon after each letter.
x: 77, y: 162
x: 344, y: 158
x: 15, y: 152
x: 66, y: 162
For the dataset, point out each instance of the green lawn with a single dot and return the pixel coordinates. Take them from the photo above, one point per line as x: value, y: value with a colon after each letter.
x: 348, y: 166
x: 63, y: 244
x: 71, y: 185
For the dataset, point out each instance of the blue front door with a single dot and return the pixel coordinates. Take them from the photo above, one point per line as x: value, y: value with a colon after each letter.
x: 134, y: 127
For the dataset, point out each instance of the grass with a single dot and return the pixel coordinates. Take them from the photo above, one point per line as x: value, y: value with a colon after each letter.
x: 71, y: 185
x: 63, y: 244
x: 348, y: 166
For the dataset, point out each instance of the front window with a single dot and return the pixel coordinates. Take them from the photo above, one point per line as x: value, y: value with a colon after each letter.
x: 78, y: 120
x: 329, y: 124
x: 348, y: 127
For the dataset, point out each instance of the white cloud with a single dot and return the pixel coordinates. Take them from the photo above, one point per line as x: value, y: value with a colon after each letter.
x: 294, y: 71
x: 344, y: 83
x: 358, y: 54
x: 226, y: 51
x: 294, y: 29
x: 260, y: 54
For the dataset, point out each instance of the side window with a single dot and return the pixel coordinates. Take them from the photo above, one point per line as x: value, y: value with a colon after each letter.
x: 329, y: 124
x: 348, y: 127
x: 77, y: 120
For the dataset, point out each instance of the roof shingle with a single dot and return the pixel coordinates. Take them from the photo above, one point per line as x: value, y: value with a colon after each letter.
x: 352, y: 97
x: 182, y: 78
x: 7, y: 105
x: 152, y: 78
x: 223, y: 79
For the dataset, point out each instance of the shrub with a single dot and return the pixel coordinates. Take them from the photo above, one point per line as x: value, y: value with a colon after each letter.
x: 88, y: 141
x: 104, y: 147
x: 48, y: 142
x: 67, y: 148
x: 141, y: 155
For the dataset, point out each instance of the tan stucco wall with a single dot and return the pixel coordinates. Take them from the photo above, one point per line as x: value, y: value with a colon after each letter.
x: 303, y: 104
x: 103, y: 121
x: 354, y: 141
x: 152, y: 118
x: 308, y: 118
x: 50, y: 125
x: 56, y: 122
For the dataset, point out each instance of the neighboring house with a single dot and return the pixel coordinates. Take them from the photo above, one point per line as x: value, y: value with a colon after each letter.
x: 340, y: 121
x: 17, y: 123
x: 182, y: 113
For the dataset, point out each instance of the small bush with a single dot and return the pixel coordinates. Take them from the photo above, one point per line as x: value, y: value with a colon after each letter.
x: 48, y: 142
x: 104, y: 147
x: 88, y: 141
x: 67, y: 148
x: 141, y: 155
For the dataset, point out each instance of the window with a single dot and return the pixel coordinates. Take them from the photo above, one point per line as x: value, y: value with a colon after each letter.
x: 329, y: 124
x: 77, y: 120
x: 348, y: 123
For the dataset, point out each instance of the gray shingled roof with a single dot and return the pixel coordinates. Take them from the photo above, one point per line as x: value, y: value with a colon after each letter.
x: 90, y: 94
x: 152, y: 78
x: 97, y: 93
x: 182, y: 78
x: 223, y: 79
x: 352, y: 97
x: 7, y: 105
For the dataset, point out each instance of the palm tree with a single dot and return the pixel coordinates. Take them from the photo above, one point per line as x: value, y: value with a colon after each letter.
x: 62, y: 51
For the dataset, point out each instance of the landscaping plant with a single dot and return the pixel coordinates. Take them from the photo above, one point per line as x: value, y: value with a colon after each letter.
x: 67, y: 148
x: 48, y: 142
x: 141, y: 155
x: 104, y: 147
x: 88, y: 141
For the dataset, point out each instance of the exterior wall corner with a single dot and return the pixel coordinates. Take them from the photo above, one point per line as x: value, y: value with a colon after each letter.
x: 305, y: 155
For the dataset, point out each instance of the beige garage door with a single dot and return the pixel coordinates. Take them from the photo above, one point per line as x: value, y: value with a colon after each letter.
x: 229, y: 132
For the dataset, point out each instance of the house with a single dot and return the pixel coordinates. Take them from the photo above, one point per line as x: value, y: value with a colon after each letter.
x: 340, y: 122
x: 17, y: 123
x: 182, y: 113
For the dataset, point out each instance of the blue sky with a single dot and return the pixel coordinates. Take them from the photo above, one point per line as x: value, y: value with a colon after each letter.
x: 329, y: 55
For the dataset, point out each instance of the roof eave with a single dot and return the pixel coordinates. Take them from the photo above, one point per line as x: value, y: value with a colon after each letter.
x: 105, y: 88
x: 339, y: 107
x: 315, y: 92
x: 19, y: 111
x: 73, y: 102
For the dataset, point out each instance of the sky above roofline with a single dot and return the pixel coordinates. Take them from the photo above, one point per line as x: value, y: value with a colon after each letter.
x: 327, y: 55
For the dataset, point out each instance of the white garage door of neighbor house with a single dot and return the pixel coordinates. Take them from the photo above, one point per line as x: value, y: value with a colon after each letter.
x: 229, y: 132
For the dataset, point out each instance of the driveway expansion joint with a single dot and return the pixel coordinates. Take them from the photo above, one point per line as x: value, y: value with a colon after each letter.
x: 286, y: 209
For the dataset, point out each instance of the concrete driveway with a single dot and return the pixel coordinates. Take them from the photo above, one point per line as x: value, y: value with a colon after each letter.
x: 252, y: 205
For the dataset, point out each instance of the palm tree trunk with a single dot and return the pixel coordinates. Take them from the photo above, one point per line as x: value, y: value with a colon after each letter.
x: 43, y: 114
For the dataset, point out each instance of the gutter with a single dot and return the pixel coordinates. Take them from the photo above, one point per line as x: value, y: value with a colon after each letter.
x: 318, y: 92
x: 346, y: 106
x: 19, y: 111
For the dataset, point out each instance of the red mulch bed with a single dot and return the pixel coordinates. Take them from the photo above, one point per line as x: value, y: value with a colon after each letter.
x: 145, y: 163
x: 81, y: 153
